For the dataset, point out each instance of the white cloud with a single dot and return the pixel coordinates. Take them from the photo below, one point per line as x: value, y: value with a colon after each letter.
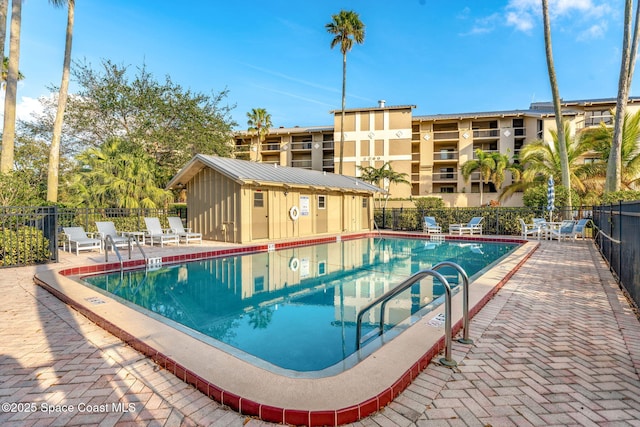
x: 596, y: 31
x: 25, y: 107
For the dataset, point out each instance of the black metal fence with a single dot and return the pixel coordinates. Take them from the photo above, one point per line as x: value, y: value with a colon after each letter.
x: 618, y: 239
x: 497, y: 220
x: 31, y: 235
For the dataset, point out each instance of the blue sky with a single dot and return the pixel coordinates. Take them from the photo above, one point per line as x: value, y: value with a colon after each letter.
x: 442, y: 56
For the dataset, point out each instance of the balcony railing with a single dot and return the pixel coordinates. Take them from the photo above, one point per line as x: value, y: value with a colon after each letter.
x: 301, y: 146
x: 415, y: 157
x: 439, y: 135
x: 415, y: 177
x: 520, y: 131
x: 242, y: 148
x: 445, y: 177
x: 327, y: 145
x: 596, y: 120
x: 305, y: 164
x: 445, y: 155
x: 486, y: 133
x: 270, y: 147
x: 327, y: 163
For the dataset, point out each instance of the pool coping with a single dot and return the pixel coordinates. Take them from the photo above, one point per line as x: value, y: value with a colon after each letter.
x: 338, y: 399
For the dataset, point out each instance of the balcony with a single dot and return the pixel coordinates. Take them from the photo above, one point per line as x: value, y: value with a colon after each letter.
x: 297, y: 146
x: 445, y: 155
x: 445, y: 176
x: 328, y: 163
x: 519, y: 132
x: 415, y: 177
x: 415, y: 157
x: 486, y: 133
x: 327, y: 145
x: 304, y: 164
x: 270, y: 147
x: 446, y: 134
x: 595, y: 120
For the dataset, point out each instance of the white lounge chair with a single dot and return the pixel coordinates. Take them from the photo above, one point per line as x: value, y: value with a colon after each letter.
x: 430, y: 225
x: 155, y: 233
x: 185, y: 234
x: 77, y: 239
x: 107, y: 228
x: 534, y: 229
x: 473, y: 226
x: 563, y: 231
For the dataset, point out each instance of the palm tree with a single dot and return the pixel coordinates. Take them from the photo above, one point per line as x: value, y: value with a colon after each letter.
x: 3, y: 35
x: 347, y: 28
x: 502, y: 165
x: 600, y: 140
x: 259, y: 123
x: 54, y: 153
x: 117, y: 174
x: 541, y: 159
x: 484, y: 163
x: 564, y: 160
x: 629, y: 51
x: 383, y: 177
x: 9, y: 129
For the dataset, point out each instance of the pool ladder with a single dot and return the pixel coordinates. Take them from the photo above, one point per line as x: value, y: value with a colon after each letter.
x: 412, y: 280
x: 130, y: 239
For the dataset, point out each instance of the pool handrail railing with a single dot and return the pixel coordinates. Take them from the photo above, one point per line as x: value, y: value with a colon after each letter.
x: 413, y: 279
x: 465, y: 298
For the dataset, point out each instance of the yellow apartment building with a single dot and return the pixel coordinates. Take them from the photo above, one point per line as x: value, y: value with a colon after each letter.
x: 429, y: 149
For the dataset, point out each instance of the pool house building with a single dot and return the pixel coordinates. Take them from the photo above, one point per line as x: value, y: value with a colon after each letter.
x: 429, y: 149
x: 239, y: 201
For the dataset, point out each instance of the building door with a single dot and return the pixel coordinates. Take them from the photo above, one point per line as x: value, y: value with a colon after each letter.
x: 260, y: 215
x: 321, y: 214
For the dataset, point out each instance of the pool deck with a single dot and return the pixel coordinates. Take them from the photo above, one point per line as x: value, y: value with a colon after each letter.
x: 557, y: 345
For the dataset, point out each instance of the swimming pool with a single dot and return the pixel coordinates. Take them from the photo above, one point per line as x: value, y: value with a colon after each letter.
x: 293, y: 310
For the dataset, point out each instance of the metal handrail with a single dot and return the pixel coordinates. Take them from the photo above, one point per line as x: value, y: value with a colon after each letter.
x: 398, y: 289
x: 465, y: 298
x: 108, y: 238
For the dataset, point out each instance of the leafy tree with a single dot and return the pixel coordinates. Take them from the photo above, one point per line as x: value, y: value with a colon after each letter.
x: 17, y: 189
x: 614, y: 197
x: 259, y: 121
x: 600, y: 140
x: 555, y: 93
x: 536, y: 197
x: 383, y: 177
x: 347, y: 28
x: 629, y: 52
x: 117, y: 174
x: 9, y: 129
x: 54, y: 154
x: 165, y: 121
x: 540, y: 159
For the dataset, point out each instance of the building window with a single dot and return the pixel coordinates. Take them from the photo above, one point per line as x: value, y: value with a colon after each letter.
x: 365, y: 202
x: 258, y: 284
x: 258, y: 199
x: 322, y: 202
x: 446, y: 189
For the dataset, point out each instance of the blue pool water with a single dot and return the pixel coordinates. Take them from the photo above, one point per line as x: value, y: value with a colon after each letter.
x: 296, y: 308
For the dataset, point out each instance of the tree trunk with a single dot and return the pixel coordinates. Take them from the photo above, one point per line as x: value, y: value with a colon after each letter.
x: 54, y: 153
x: 3, y: 29
x: 344, y: 96
x: 9, y: 130
x: 564, y: 159
x: 613, y: 181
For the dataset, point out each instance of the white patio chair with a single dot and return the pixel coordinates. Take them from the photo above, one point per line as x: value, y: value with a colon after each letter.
x: 155, y: 233
x: 77, y: 239
x: 430, y: 225
x: 107, y: 228
x: 185, y: 234
x: 474, y: 225
x: 530, y: 229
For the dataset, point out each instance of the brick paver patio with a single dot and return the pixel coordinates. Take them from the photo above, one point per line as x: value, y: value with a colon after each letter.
x: 558, y: 345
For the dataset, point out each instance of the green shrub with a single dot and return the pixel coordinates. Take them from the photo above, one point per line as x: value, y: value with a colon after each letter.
x: 27, y: 245
x: 615, y: 196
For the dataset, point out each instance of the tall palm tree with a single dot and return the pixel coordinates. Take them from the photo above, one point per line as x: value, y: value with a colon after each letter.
x: 629, y: 51
x: 54, y: 153
x: 3, y: 34
x: 259, y: 123
x: 383, y: 177
x: 347, y: 28
x: 600, y: 140
x: 555, y: 93
x: 502, y: 165
x: 484, y: 163
x: 11, y: 96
